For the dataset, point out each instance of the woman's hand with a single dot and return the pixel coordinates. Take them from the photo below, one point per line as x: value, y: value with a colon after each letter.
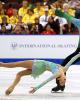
x: 32, y: 91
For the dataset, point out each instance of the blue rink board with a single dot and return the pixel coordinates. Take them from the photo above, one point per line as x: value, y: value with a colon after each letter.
x: 59, y: 61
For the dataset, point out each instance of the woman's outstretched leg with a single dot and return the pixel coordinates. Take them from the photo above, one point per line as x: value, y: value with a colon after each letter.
x: 24, y: 64
x: 17, y: 79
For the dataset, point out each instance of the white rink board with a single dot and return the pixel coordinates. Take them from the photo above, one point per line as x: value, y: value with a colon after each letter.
x: 37, y: 46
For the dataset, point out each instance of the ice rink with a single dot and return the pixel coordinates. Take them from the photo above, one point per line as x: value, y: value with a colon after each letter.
x: 21, y: 92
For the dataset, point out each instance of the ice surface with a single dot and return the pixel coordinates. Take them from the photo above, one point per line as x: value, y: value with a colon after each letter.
x: 72, y: 90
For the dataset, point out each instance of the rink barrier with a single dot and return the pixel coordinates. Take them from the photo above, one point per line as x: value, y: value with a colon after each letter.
x: 45, y: 47
x: 58, y: 61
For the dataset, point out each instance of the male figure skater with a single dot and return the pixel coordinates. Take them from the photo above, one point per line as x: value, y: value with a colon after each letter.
x: 67, y: 61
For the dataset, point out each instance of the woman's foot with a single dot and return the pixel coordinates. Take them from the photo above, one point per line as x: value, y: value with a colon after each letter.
x: 1, y: 63
x: 9, y: 90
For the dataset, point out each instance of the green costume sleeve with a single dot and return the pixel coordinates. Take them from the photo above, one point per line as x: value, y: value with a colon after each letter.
x: 69, y: 18
x: 46, y: 81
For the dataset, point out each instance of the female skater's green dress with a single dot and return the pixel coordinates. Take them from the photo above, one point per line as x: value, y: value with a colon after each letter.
x: 40, y: 66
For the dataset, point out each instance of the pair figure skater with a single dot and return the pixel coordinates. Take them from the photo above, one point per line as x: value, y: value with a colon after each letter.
x: 67, y: 60
x: 36, y: 68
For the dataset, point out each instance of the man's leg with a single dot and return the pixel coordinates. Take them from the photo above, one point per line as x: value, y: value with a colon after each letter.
x: 59, y: 87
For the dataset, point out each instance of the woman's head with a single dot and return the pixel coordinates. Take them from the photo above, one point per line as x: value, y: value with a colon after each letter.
x: 62, y: 76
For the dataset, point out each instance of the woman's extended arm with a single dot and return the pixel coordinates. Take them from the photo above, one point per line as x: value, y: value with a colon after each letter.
x: 45, y: 82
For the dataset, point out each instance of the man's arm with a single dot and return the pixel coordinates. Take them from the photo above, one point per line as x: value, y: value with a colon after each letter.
x: 79, y: 43
x: 71, y: 61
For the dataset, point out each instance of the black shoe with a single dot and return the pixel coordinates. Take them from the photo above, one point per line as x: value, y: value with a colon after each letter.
x: 57, y: 88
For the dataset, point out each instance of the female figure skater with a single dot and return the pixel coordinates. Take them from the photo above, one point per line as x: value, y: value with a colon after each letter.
x: 35, y: 68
